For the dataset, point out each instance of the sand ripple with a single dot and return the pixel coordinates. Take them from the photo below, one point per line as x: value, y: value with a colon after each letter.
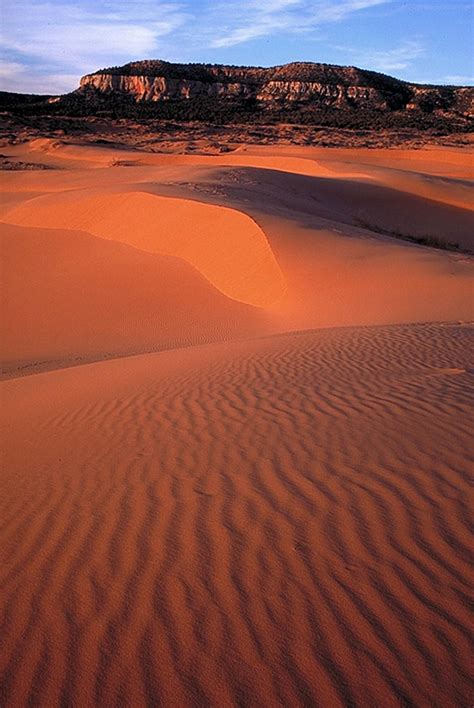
x: 283, y: 521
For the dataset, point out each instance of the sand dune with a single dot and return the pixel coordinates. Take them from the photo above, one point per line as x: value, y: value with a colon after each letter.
x: 226, y: 246
x: 433, y: 160
x: 347, y: 202
x: 274, y: 511
x: 268, y: 523
x: 436, y: 173
x: 306, y: 250
x: 69, y: 297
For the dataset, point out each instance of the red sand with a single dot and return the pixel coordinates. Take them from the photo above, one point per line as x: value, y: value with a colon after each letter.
x: 259, y: 516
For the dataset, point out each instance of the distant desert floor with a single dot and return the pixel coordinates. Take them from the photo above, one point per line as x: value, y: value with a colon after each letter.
x: 236, y: 427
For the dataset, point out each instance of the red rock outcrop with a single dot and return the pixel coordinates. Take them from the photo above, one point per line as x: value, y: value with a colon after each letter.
x: 320, y: 84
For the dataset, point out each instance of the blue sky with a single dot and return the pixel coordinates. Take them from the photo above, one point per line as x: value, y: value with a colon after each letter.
x: 47, y: 45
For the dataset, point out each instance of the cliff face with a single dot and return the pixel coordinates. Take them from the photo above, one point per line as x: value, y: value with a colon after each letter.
x: 160, y: 88
x: 336, y: 95
x: 432, y: 98
x: 318, y: 84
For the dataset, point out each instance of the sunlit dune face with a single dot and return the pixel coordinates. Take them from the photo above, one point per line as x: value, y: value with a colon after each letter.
x: 225, y: 245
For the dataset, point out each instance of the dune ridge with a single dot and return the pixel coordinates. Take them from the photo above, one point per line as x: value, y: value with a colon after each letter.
x: 121, y: 301
x: 228, y: 247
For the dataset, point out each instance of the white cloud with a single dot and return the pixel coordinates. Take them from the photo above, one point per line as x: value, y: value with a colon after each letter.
x: 448, y: 80
x: 25, y: 81
x: 48, y: 45
x: 396, y: 59
x: 239, y: 22
x: 10, y: 68
x: 462, y: 80
x: 77, y: 37
x: 19, y: 78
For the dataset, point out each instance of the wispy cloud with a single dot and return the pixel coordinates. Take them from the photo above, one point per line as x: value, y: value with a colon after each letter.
x: 62, y: 39
x: 448, y: 80
x: 395, y: 59
x: 10, y: 68
x: 242, y: 21
x: 19, y: 78
x: 464, y: 79
x: 72, y: 35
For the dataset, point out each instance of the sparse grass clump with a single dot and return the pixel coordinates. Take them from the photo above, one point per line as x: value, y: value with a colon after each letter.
x: 429, y: 240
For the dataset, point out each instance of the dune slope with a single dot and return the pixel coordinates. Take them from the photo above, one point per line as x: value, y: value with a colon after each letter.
x: 225, y: 245
x: 68, y: 296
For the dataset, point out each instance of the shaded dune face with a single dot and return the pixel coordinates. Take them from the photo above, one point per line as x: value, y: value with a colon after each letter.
x: 276, y: 522
x: 405, y: 207
x: 69, y: 296
x: 225, y: 245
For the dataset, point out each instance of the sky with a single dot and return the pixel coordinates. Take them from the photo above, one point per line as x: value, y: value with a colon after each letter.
x: 46, y: 46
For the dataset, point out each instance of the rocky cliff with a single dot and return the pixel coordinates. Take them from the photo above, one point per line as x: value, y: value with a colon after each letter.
x: 299, y: 83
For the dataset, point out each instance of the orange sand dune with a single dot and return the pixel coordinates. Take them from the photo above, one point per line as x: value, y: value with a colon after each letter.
x: 277, y: 522
x: 66, y: 299
x: 415, y: 171
x: 437, y: 174
x: 341, y: 201
x: 432, y: 159
x: 270, y: 513
x: 226, y: 246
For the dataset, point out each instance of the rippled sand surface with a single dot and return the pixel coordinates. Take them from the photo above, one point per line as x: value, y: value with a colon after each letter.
x: 236, y: 430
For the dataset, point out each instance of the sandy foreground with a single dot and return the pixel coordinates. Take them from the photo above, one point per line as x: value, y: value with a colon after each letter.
x: 236, y: 427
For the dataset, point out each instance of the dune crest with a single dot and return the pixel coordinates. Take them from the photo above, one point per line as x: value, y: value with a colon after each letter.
x: 121, y: 301
x: 225, y: 245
